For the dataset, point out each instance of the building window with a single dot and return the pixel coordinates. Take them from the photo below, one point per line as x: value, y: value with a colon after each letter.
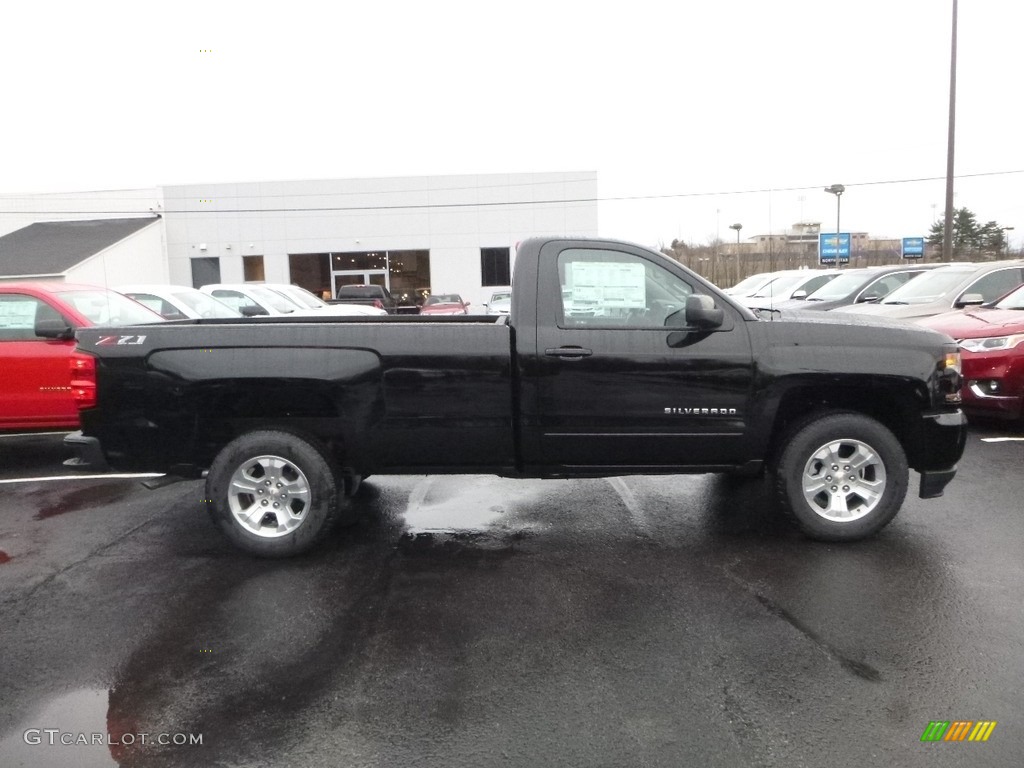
x: 253, y: 268
x: 495, y: 267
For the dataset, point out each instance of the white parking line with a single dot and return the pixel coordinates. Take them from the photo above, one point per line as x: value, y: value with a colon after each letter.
x: 1002, y: 439
x: 141, y: 476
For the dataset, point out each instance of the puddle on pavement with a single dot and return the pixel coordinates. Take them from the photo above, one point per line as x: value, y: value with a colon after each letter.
x: 83, y: 498
x: 75, y: 715
x: 474, y: 505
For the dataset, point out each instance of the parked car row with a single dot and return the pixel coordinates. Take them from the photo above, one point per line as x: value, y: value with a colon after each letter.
x: 980, y: 305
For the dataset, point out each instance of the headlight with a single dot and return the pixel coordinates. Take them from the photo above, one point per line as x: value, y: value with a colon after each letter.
x: 952, y: 363
x: 992, y: 343
x: 949, y: 377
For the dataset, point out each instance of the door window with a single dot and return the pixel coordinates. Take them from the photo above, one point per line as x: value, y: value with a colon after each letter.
x: 995, y: 284
x: 886, y: 285
x: 612, y: 288
x: 18, y: 315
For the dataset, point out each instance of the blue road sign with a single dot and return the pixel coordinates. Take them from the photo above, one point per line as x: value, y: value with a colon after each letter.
x: 913, y: 247
x: 831, y: 245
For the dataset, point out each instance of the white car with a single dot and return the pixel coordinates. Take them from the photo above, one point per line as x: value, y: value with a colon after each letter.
x: 177, y: 302
x: 749, y: 285
x: 310, y: 301
x: 500, y: 302
x: 789, y: 285
x: 252, y: 299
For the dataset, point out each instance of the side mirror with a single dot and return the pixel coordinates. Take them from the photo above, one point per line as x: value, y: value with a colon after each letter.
x: 58, y: 330
x: 702, y: 313
x: 970, y: 300
x: 251, y: 310
x: 869, y: 298
x: 799, y: 295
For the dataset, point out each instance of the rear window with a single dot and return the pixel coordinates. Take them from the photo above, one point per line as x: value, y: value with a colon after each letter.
x: 361, y: 291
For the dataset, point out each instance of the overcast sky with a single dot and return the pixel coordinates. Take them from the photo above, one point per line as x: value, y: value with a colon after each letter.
x: 678, y: 105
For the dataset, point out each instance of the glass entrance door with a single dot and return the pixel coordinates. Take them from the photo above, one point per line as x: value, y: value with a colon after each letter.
x: 360, y: 277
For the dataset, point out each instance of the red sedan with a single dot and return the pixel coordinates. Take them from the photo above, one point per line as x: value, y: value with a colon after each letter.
x: 444, y: 304
x: 35, y: 386
x: 991, y: 340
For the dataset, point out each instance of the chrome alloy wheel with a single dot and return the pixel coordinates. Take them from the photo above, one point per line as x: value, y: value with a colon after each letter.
x: 844, y: 480
x: 269, y: 496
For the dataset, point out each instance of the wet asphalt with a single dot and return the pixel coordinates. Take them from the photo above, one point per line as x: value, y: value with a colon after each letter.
x: 479, y: 621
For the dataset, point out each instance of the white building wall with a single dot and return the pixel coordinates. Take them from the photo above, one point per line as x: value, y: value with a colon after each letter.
x: 138, y: 258
x: 451, y: 216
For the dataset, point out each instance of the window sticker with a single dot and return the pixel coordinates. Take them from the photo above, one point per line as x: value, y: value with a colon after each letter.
x: 19, y: 314
x: 609, y: 285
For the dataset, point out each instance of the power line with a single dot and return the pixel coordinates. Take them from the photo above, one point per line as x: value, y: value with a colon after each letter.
x: 509, y: 203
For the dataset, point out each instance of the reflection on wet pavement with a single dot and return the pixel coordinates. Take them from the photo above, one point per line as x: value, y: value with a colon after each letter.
x: 80, y: 719
x: 59, y: 501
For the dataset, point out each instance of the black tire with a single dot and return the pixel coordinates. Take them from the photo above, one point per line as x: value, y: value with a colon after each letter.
x: 260, y: 469
x: 841, y: 476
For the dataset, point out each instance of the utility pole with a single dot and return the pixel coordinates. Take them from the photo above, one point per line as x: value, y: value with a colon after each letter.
x: 947, y: 229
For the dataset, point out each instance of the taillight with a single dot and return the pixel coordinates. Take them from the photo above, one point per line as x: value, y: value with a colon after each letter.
x: 378, y: 304
x: 83, y: 380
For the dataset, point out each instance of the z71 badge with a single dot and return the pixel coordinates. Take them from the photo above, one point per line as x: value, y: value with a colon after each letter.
x: 120, y: 341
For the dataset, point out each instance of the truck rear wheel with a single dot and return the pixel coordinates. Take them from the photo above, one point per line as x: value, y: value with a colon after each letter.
x: 841, y: 477
x: 273, y: 493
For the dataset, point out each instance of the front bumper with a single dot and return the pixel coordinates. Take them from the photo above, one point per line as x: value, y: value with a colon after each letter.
x: 88, y: 456
x: 944, y: 438
x: 994, y: 383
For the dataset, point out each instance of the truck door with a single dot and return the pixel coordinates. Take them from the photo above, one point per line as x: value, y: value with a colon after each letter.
x: 617, y: 378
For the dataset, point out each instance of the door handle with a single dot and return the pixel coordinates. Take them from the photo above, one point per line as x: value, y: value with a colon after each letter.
x: 569, y: 353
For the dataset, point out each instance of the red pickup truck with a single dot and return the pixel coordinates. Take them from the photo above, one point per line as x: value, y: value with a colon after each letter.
x: 35, y: 375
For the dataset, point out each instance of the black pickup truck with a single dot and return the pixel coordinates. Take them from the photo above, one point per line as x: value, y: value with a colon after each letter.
x: 370, y: 295
x: 614, y: 360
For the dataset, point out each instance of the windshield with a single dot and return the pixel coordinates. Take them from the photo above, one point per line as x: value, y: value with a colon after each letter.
x: 1014, y: 300
x: 109, y: 308
x: 444, y: 298
x: 780, y: 286
x: 929, y: 287
x: 840, y: 287
x: 204, y: 305
x: 273, y: 299
x: 750, y: 283
x: 301, y: 296
x: 501, y: 296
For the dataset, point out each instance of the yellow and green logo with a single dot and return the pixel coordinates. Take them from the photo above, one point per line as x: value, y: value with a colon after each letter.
x: 958, y: 730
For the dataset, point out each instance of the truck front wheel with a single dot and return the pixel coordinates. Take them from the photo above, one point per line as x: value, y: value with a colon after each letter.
x: 273, y: 493
x: 841, y: 477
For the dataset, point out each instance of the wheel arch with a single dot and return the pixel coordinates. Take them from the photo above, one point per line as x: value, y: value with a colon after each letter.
x: 893, y: 404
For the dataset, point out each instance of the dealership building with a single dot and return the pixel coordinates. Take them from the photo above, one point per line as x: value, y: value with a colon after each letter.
x: 451, y: 234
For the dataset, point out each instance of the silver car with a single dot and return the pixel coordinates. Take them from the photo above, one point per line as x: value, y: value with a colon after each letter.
x: 944, y: 289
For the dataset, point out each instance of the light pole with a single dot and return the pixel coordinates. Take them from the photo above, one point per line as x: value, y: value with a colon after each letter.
x: 1006, y: 238
x: 837, y: 190
x: 737, y: 227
